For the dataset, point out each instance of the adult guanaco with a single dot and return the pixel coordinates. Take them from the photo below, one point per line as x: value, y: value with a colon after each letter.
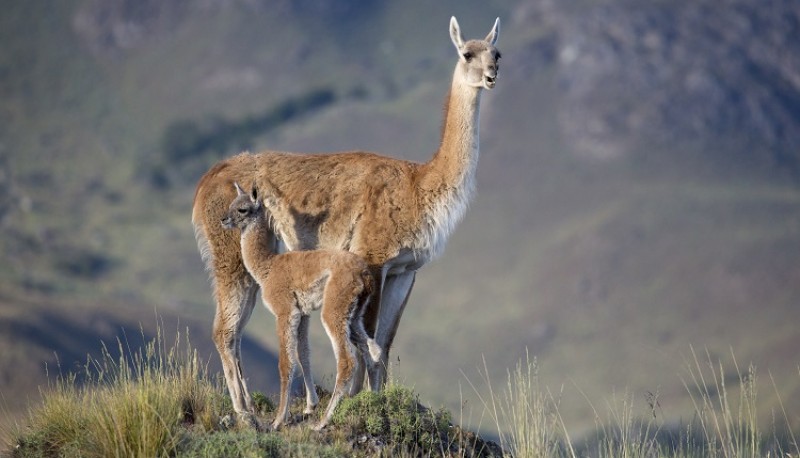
x: 395, y: 214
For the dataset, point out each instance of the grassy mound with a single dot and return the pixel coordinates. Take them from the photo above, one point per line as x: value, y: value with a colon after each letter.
x: 160, y: 401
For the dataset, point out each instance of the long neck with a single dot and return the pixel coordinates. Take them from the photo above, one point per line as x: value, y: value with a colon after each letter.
x: 258, y: 247
x: 453, y: 164
x: 446, y: 183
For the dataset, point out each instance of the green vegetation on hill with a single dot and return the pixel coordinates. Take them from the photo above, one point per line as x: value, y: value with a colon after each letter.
x: 191, y: 146
x: 184, y: 139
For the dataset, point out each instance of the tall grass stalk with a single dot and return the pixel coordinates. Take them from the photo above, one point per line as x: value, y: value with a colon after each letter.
x: 730, y: 429
x: 793, y: 444
x: 527, y: 420
x: 132, y: 405
x: 622, y: 434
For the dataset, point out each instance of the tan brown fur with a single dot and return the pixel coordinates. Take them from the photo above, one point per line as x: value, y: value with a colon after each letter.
x: 395, y: 214
x: 292, y: 286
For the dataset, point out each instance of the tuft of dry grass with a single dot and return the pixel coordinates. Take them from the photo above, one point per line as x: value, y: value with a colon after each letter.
x: 726, y: 417
x: 525, y: 414
x: 133, y: 405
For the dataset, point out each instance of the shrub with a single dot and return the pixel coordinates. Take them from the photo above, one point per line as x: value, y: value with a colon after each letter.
x: 262, y: 403
x: 395, y: 416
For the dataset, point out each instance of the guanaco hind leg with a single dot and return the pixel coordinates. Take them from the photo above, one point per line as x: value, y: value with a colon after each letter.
x: 346, y: 353
x: 235, y: 303
x: 305, y: 364
x: 288, y: 327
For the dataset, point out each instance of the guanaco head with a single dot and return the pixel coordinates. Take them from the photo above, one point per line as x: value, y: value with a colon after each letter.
x: 244, y: 209
x: 478, y: 59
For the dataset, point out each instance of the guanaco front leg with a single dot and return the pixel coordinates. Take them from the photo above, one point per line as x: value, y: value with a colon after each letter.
x: 395, y: 293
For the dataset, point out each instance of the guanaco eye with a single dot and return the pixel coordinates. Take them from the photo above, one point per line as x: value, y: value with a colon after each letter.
x: 467, y: 56
x: 497, y: 56
x: 242, y: 211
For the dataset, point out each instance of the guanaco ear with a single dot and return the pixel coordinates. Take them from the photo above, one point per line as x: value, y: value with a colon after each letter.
x: 239, y: 190
x: 254, y: 194
x: 455, y: 34
x: 492, y: 37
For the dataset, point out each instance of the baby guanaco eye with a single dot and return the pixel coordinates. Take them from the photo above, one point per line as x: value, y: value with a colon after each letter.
x: 467, y: 56
x: 242, y: 211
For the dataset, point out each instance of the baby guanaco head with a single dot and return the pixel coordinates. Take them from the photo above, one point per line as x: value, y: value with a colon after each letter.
x: 244, y: 210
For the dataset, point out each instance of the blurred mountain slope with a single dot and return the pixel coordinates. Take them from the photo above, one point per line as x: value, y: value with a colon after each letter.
x: 637, y: 187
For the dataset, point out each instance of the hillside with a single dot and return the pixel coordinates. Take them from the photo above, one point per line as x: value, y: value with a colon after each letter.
x: 43, y: 340
x: 637, y: 190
